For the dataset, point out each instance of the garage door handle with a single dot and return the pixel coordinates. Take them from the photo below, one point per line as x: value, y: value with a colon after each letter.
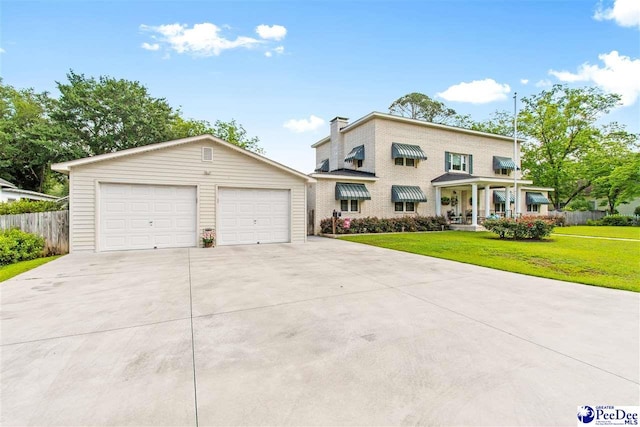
x: 255, y: 221
x: 151, y: 223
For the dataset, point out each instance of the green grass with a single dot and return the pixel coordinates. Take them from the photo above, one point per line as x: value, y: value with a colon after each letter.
x: 598, y: 262
x: 8, y: 271
x: 605, y: 231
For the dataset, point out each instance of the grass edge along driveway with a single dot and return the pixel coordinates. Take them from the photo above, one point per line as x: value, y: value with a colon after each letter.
x: 596, y: 262
x: 12, y: 270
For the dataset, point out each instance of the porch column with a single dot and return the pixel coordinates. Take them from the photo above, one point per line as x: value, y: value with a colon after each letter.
x: 438, y: 197
x: 507, y: 201
x: 474, y: 204
x: 487, y: 201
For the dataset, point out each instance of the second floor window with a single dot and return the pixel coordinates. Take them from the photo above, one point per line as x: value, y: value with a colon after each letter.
x: 401, y: 161
x: 458, y: 162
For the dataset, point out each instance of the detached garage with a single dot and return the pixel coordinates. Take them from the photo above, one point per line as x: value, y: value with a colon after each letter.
x: 164, y: 195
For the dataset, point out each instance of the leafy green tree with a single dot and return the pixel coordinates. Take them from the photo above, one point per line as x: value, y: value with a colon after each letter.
x: 231, y: 131
x: 560, y: 124
x: 29, y: 139
x: 421, y: 107
x: 108, y: 114
x: 500, y: 123
x: 621, y: 184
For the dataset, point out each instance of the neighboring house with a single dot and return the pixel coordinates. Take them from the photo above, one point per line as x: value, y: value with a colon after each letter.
x: 387, y: 166
x: 10, y: 193
x: 164, y: 195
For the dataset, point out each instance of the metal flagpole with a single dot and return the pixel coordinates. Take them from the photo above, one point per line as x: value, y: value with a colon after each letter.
x: 516, y: 195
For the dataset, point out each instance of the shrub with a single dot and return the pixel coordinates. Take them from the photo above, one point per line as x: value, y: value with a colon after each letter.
x: 594, y: 222
x: 28, y: 206
x: 636, y: 211
x: 16, y: 245
x: 385, y: 225
x: 617, y: 220
x: 526, y: 227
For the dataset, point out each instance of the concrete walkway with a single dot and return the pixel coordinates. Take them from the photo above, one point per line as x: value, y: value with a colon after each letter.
x: 325, y: 333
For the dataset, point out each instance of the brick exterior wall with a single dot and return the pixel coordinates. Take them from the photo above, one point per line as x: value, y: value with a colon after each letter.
x: 377, y: 135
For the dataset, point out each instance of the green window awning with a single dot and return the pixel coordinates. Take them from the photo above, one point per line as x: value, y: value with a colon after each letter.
x: 346, y: 191
x: 407, y: 151
x: 499, y: 197
x: 407, y: 193
x: 356, y: 154
x: 323, y: 166
x: 537, y: 199
x: 503, y: 163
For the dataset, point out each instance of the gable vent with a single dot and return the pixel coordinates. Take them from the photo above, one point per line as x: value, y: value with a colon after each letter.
x: 207, y: 154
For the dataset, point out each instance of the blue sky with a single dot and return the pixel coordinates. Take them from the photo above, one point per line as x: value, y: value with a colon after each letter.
x: 284, y: 69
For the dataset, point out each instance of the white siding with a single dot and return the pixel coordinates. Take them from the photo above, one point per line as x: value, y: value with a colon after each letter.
x: 178, y: 165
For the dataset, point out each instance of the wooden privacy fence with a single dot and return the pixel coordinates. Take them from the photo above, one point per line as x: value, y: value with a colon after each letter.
x: 53, y: 226
x: 578, y: 217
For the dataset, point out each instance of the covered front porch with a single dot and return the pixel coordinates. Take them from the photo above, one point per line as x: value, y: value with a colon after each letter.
x: 467, y: 200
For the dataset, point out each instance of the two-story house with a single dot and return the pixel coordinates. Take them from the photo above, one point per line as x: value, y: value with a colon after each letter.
x: 385, y: 166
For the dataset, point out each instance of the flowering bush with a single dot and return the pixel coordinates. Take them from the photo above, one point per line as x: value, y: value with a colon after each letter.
x: 208, y: 236
x: 386, y: 225
x: 526, y: 227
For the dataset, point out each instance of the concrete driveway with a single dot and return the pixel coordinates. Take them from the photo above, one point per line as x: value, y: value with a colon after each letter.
x: 325, y: 333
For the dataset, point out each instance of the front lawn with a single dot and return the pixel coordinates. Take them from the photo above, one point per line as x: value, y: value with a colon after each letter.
x: 600, y: 231
x: 598, y: 262
x: 8, y: 271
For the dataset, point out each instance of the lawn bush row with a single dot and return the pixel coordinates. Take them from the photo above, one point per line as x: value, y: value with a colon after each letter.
x: 28, y: 206
x: 386, y: 225
x: 16, y: 245
x: 526, y: 227
x: 616, y: 220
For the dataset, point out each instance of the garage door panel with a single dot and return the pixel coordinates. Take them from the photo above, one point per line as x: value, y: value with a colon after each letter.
x: 147, y: 216
x: 250, y: 216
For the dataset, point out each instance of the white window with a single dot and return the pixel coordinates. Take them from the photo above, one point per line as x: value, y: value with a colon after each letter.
x: 401, y: 161
x: 458, y: 162
x: 533, y: 208
x: 405, y: 206
x: 503, y: 171
x: 207, y: 154
x: 349, y: 205
x: 499, y: 207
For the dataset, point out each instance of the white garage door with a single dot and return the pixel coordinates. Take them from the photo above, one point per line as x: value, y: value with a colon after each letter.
x: 146, y: 217
x: 250, y: 216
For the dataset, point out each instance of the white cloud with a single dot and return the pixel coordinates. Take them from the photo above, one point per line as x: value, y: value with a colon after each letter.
x: 626, y: 13
x: 147, y: 46
x: 200, y: 40
x: 279, y: 50
x: 618, y: 75
x: 524, y: 81
x: 304, y: 125
x: 274, y: 32
x: 544, y: 83
x: 2, y: 50
x: 476, y: 92
x: 268, y: 54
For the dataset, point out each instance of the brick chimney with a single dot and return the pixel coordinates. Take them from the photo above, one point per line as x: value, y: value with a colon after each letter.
x: 336, y: 161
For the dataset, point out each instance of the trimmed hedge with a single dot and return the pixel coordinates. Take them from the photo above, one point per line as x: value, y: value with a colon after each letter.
x: 29, y: 206
x: 616, y: 221
x: 16, y: 245
x: 386, y: 225
x: 526, y: 227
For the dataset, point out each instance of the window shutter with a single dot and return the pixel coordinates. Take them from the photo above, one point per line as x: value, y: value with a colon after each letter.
x: 447, y: 162
x: 470, y: 164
